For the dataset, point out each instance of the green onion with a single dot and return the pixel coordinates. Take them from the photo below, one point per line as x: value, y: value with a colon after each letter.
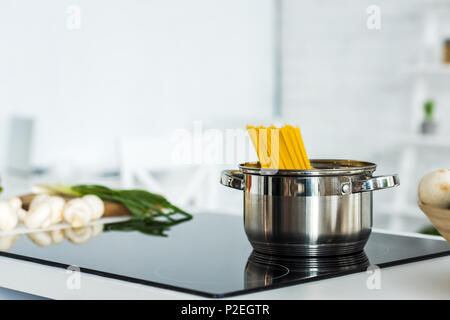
x: 146, y: 226
x: 144, y: 205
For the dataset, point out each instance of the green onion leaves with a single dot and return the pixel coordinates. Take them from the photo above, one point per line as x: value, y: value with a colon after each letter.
x: 144, y: 205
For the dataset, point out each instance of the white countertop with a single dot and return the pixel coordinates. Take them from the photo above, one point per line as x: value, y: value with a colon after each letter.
x: 427, y: 279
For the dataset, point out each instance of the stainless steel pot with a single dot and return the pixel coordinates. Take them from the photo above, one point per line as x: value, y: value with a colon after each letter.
x: 326, y: 211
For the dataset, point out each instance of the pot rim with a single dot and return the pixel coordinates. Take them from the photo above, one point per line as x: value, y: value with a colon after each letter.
x: 322, y: 167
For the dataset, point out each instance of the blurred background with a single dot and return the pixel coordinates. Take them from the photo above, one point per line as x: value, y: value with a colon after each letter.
x: 95, y: 91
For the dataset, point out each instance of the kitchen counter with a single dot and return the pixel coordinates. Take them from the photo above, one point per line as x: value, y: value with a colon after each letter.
x: 427, y: 279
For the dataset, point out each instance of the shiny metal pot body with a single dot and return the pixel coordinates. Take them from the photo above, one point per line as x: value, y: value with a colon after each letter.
x: 326, y: 211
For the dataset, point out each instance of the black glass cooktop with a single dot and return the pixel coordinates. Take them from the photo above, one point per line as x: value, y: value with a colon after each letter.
x: 208, y: 256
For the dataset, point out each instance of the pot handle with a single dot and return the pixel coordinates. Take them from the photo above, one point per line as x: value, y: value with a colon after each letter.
x: 233, y: 179
x: 376, y: 183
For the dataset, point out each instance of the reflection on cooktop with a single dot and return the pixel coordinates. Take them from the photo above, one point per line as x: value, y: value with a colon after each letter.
x: 84, y: 234
x: 278, y: 270
x: 208, y: 255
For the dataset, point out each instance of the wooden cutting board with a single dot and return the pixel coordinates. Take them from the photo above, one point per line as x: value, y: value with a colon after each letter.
x: 112, y: 209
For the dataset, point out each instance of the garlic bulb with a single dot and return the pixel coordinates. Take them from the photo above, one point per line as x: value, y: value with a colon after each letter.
x: 8, y: 216
x: 77, y: 212
x: 98, y: 208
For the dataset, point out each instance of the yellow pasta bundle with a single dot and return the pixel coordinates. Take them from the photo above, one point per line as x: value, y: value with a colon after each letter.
x: 279, y: 148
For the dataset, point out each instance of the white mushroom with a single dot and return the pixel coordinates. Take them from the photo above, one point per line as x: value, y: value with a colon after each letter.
x: 39, y: 216
x: 44, y: 211
x: 57, y: 235
x: 78, y: 235
x: 78, y: 212
x: 42, y: 239
x: 16, y: 212
x: 21, y: 214
x: 57, y: 206
x: 37, y: 200
x: 8, y: 216
x: 6, y: 242
x: 15, y: 203
x: 434, y: 189
x: 98, y: 208
x: 96, y: 229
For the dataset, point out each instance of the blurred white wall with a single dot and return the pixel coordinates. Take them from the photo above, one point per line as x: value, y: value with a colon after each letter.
x: 143, y: 68
x: 132, y: 68
x: 354, y: 90
x: 342, y: 80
